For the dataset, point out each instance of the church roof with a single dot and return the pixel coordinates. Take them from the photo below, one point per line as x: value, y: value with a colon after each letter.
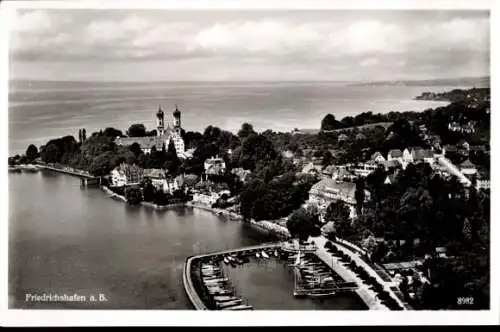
x: 144, y: 142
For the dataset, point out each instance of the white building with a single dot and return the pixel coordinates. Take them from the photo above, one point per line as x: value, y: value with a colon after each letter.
x: 215, y: 166
x: 468, y: 168
x: 378, y: 158
x: 328, y: 190
x: 364, y: 169
x: 126, y: 174
x: 163, y: 138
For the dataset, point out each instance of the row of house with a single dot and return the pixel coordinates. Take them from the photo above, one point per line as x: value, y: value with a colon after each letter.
x: 130, y: 175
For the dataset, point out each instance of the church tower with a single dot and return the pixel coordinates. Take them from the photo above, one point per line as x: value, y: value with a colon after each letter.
x: 160, y: 121
x: 177, y: 120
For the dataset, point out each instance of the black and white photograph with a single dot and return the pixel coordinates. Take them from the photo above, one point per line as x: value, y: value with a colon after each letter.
x: 278, y: 160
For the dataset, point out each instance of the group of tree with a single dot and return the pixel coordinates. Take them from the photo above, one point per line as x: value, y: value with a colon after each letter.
x: 421, y: 211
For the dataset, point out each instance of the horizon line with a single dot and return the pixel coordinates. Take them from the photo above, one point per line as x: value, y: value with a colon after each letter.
x: 251, y: 81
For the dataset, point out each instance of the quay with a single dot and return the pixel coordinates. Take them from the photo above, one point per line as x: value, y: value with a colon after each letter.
x: 189, y: 288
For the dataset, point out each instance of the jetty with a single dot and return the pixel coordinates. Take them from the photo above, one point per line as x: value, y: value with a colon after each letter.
x: 86, y: 179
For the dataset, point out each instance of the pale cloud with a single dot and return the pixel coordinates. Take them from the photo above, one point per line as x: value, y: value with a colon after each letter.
x: 274, y: 40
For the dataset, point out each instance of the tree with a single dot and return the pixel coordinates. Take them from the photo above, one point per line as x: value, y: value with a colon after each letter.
x: 133, y: 196
x: 337, y: 212
x: 359, y: 194
x: 136, y: 130
x: 32, y: 152
x: 302, y: 224
x: 246, y: 130
x: 136, y: 149
x: 152, y: 133
x: 256, y: 150
x: 84, y: 135
x: 330, y: 123
x: 327, y: 158
x: 148, y: 191
x: 112, y: 132
x: 103, y: 164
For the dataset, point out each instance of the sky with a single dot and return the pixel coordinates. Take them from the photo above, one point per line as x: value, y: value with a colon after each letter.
x: 209, y: 45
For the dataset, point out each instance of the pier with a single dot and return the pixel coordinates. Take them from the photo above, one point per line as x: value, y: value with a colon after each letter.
x: 86, y: 179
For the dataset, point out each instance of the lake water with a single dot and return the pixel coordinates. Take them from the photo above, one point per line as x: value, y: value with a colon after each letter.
x: 42, y: 110
x: 64, y: 239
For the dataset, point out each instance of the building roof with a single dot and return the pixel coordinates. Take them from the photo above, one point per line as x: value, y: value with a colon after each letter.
x: 450, y: 148
x: 214, y: 161
x: 360, y: 136
x: 329, y: 170
x: 144, y: 142
x: 377, y: 155
x: 396, y: 153
x: 342, y: 137
x: 155, y: 173
x: 393, y: 163
x: 420, y: 154
x: 467, y: 164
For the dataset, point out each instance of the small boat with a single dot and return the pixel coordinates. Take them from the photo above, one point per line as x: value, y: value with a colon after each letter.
x: 321, y: 295
x: 225, y: 298
x: 222, y: 292
x: 229, y: 304
x: 257, y: 255
x: 219, y: 213
x: 226, y: 260
x: 233, y: 263
x: 240, y: 307
x: 276, y: 253
x: 264, y: 254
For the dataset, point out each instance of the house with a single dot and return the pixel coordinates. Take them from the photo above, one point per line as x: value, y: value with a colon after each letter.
x: 342, y: 138
x: 287, y: 154
x: 407, y: 155
x: 441, y: 252
x: 342, y: 173
x: 126, y: 174
x: 241, y: 173
x: 310, y: 168
x: 390, y: 179
x: 327, y: 191
x: 378, y: 158
x: 157, y: 177
x: 423, y: 155
x: 328, y: 171
x: 365, y: 169
x: 468, y: 168
x: 395, y: 154
x: 360, y: 137
x: 215, y: 166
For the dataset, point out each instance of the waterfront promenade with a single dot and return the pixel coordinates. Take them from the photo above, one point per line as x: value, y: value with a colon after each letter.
x: 363, y: 291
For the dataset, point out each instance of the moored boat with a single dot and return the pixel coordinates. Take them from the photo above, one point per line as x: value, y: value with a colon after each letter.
x: 264, y: 254
x: 240, y: 307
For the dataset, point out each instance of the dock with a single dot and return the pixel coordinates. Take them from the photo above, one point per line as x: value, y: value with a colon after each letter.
x: 217, y: 293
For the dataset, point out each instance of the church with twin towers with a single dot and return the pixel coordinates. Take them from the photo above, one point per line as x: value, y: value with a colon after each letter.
x: 166, y: 132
